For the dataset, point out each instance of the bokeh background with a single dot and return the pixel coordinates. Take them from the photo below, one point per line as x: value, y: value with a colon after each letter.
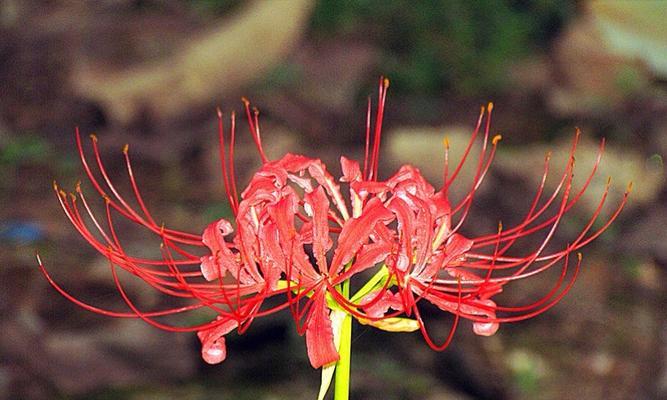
x: 151, y: 72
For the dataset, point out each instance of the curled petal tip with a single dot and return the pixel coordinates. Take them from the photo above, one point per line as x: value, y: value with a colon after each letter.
x: 214, y: 355
x: 485, y: 328
x: 496, y: 139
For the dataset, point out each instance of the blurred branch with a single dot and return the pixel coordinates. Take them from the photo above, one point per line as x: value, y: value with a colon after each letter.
x: 219, y: 61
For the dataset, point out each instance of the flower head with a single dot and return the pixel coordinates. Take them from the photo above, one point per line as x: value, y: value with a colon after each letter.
x: 299, y: 235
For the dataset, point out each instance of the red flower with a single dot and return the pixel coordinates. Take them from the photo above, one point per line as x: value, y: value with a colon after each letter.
x: 297, y: 240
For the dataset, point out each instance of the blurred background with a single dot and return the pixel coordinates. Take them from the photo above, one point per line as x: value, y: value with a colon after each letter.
x: 151, y: 72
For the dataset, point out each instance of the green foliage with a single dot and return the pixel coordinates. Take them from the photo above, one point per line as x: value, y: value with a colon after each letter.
x: 24, y: 149
x: 527, y: 370
x: 24, y: 152
x: 433, y: 45
x: 216, y: 211
x: 207, y: 7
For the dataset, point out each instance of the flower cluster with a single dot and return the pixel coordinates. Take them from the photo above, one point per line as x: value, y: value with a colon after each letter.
x: 300, y: 236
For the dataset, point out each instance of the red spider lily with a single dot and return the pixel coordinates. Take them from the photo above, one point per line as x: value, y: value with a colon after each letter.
x: 297, y: 240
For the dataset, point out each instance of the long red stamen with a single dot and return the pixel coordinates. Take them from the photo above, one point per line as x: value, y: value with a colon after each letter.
x: 223, y: 162
x: 368, y: 139
x: 254, y: 129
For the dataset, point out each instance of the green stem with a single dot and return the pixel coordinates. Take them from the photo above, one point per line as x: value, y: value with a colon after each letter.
x: 342, y: 377
x: 376, y: 280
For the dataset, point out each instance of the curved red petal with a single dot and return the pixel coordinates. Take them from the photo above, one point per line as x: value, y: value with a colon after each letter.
x: 213, y: 349
x: 319, y: 334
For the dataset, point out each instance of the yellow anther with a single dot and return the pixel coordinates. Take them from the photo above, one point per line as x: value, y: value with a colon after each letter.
x: 385, y: 83
x: 245, y: 101
x: 496, y: 139
x: 580, y: 256
x: 629, y: 189
x: 489, y: 107
x: 93, y: 137
x: 55, y: 186
x: 126, y: 148
x: 78, y: 186
x: 445, y: 142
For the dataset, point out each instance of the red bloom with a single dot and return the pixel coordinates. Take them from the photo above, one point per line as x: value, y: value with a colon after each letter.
x: 297, y: 240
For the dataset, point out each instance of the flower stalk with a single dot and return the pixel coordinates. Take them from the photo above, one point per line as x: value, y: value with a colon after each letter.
x: 342, y: 377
